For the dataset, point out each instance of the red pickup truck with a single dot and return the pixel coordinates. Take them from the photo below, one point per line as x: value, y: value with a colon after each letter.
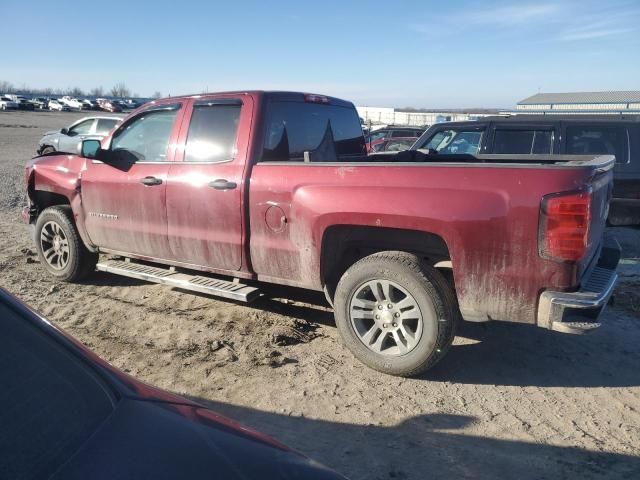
x: 216, y: 193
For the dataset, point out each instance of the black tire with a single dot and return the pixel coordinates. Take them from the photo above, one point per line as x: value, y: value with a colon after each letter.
x: 430, y: 292
x: 78, y: 260
x: 46, y: 150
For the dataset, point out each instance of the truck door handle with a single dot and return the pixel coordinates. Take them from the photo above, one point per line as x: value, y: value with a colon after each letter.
x: 222, y: 184
x: 150, y: 181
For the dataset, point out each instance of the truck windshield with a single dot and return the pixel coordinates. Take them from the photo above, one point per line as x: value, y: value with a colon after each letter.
x: 327, y: 133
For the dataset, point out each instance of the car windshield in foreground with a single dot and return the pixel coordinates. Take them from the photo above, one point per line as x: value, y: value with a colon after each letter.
x: 325, y: 132
x: 50, y: 402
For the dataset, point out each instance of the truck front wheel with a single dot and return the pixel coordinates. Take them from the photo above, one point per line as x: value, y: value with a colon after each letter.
x: 395, y: 313
x: 59, y: 246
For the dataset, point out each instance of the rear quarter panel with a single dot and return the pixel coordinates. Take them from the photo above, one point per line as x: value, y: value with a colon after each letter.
x: 487, y: 215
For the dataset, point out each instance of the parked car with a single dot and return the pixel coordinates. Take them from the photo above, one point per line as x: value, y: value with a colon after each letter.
x: 70, y: 138
x: 391, y: 132
x: 109, y: 105
x: 24, y: 104
x: 67, y: 414
x: 8, y: 104
x: 396, y: 144
x: 88, y: 104
x: 123, y: 105
x: 15, y: 97
x: 72, y: 103
x: 550, y: 134
x: 56, y: 105
x: 182, y: 182
x: 40, y: 103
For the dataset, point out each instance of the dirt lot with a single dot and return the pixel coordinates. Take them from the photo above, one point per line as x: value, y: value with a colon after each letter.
x: 508, y: 401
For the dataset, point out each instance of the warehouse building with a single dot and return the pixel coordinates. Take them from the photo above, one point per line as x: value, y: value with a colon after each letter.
x: 392, y: 116
x: 621, y: 102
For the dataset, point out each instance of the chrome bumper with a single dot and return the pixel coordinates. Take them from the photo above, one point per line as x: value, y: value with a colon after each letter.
x: 578, y: 312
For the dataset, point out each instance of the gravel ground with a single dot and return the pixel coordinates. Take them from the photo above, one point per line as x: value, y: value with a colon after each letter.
x: 509, y: 401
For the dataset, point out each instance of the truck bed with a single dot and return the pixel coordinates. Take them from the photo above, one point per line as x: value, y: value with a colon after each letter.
x: 421, y: 156
x: 487, y: 216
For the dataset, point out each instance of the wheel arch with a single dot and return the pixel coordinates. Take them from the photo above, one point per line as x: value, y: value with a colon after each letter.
x: 343, y: 245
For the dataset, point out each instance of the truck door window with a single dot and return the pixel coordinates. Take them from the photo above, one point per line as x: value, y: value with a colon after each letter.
x: 147, y: 136
x: 455, y: 142
x: 594, y: 140
x: 328, y: 133
x: 522, y: 142
x: 212, y: 133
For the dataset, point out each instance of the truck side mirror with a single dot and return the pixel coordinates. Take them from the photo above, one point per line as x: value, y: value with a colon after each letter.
x: 90, y: 148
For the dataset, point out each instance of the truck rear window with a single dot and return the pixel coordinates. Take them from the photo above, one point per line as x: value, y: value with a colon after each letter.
x: 328, y: 133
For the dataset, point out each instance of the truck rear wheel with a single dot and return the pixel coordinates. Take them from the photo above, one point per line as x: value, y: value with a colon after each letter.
x: 395, y: 313
x: 59, y: 246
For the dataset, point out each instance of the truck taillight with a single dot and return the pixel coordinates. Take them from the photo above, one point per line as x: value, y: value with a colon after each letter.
x: 564, y: 225
x: 313, y: 98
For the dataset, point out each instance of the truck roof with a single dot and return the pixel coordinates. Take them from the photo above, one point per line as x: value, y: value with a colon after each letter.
x: 271, y: 94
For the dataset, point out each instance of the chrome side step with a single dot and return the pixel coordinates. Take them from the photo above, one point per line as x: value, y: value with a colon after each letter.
x: 197, y: 283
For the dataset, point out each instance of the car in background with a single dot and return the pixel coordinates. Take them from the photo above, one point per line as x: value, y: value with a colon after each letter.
x: 88, y: 104
x: 72, y: 102
x: 24, y: 104
x: 391, y: 132
x: 15, y: 97
x: 7, y: 104
x: 56, y: 106
x: 68, y: 414
x: 70, y: 138
x: 39, y: 103
x: 617, y: 135
x: 398, y: 144
x: 109, y: 105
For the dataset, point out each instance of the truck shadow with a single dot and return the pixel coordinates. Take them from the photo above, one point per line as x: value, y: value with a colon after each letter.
x: 525, y: 355
x: 428, y: 446
x: 103, y: 279
x: 511, y: 354
x: 488, y: 354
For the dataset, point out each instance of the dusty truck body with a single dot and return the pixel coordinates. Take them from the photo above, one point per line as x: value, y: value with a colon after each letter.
x: 276, y: 187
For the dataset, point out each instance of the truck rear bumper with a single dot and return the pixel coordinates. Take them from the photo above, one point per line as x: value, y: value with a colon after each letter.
x: 578, y: 312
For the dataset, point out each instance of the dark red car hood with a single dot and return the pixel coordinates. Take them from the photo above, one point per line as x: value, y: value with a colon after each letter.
x: 153, y: 434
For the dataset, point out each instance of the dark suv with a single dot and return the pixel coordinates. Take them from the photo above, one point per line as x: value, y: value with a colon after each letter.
x: 553, y: 134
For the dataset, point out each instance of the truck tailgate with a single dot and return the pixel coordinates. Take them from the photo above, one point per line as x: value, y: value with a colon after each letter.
x: 601, y: 187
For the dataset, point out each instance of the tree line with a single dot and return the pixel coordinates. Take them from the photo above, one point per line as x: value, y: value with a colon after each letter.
x: 118, y: 90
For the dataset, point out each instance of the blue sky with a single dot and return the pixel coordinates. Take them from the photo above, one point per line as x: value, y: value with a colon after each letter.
x: 404, y: 53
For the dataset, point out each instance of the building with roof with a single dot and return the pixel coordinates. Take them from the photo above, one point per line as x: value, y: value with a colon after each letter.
x: 619, y: 102
x: 393, y: 116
